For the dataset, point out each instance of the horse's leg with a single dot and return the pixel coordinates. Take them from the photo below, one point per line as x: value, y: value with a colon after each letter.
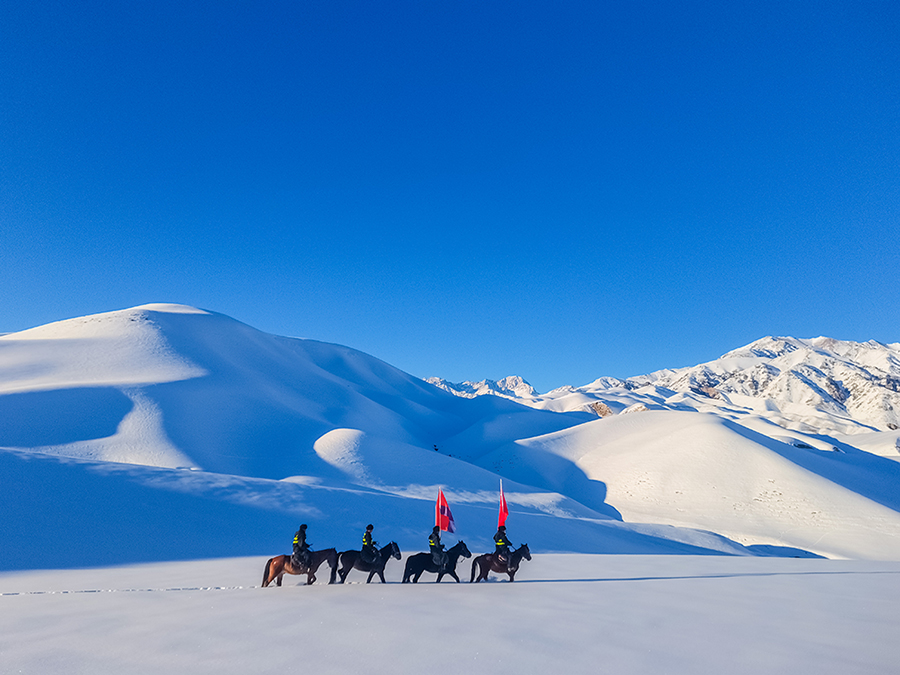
x: 452, y: 573
x: 344, y: 568
x: 371, y: 574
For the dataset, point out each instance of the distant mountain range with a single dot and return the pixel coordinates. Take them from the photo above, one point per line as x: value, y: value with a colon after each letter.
x: 818, y: 385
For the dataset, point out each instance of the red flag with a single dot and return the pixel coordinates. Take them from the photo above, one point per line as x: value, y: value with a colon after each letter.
x: 442, y: 516
x: 504, y: 510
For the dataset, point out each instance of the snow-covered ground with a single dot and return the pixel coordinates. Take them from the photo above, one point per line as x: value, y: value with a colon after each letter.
x: 152, y: 459
x: 681, y: 615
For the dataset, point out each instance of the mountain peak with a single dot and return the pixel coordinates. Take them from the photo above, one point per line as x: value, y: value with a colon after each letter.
x: 835, y: 386
x: 511, y: 386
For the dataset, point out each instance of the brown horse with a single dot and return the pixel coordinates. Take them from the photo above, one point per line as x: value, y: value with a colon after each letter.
x: 280, y: 565
x: 353, y: 560
x: 490, y: 562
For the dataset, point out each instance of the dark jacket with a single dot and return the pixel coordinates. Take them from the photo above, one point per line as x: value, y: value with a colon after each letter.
x: 502, y: 542
x: 300, y: 541
x: 434, y: 542
x: 368, y: 541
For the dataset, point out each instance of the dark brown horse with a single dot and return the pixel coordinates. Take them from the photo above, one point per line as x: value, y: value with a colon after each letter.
x: 490, y: 562
x: 280, y: 565
x: 353, y: 560
x: 419, y: 563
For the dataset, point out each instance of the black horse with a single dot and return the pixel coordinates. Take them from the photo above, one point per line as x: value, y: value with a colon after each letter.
x: 490, y: 562
x: 424, y: 562
x: 353, y: 560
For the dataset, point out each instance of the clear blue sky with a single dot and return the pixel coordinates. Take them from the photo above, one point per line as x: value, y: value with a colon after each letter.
x: 469, y: 189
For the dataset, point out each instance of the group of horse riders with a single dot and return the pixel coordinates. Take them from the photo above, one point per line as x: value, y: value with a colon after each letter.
x: 369, y: 550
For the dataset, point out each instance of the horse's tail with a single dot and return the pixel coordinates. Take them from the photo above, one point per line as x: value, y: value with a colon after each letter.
x: 265, y: 581
x: 474, y: 565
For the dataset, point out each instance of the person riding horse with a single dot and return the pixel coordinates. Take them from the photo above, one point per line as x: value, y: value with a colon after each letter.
x: 503, y: 544
x: 368, y: 552
x: 437, y: 548
x: 301, y: 548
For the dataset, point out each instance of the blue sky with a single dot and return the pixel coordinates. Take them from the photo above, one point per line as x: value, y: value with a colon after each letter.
x: 465, y: 189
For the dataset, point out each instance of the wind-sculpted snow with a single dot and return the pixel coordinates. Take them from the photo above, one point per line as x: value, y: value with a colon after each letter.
x: 701, y: 471
x: 195, y: 388
x: 71, y: 513
x: 167, y: 432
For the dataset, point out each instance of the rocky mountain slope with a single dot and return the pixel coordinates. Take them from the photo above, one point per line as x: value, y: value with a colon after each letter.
x: 818, y: 385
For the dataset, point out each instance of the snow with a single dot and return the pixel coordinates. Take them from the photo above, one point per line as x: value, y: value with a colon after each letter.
x: 572, y: 613
x: 152, y: 459
x: 831, y: 386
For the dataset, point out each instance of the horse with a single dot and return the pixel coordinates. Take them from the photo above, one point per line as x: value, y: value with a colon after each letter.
x: 490, y: 562
x: 280, y: 565
x: 424, y: 562
x: 353, y: 559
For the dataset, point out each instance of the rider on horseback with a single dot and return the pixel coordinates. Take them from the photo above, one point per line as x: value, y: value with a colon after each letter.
x: 301, y: 548
x: 369, y: 552
x: 503, y: 544
x: 438, y: 555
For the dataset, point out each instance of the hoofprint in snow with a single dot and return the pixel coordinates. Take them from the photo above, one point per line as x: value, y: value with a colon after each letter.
x: 626, y: 615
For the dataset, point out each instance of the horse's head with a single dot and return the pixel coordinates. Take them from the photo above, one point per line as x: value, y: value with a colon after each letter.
x: 395, y: 550
x: 464, y: 550
x: 525, y: 551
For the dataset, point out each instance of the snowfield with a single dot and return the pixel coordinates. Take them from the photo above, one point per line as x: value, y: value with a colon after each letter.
x: 572, y: 613
x: 738, y: 516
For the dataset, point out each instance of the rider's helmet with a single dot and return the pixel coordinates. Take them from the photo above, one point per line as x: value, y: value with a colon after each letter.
x: 436, y: 529
x: 502, y: 528
x: 370, y: 527
x: 303, y: 527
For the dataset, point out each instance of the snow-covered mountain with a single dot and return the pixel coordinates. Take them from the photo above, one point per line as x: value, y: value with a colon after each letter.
x: 818, y: 385
x: 173, y: 386
x: 509, y: 387
x: 173, y: 425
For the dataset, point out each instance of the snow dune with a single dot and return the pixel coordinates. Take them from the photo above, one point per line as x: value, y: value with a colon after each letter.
x: 172, y: 386
x: 278, y: 430
x: 701, y: 471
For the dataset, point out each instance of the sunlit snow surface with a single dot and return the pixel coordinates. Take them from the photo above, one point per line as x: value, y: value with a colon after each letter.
x: 681, y: 615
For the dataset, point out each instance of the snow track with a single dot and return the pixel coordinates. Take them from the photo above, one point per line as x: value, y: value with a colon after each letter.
x: 131, y: 590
